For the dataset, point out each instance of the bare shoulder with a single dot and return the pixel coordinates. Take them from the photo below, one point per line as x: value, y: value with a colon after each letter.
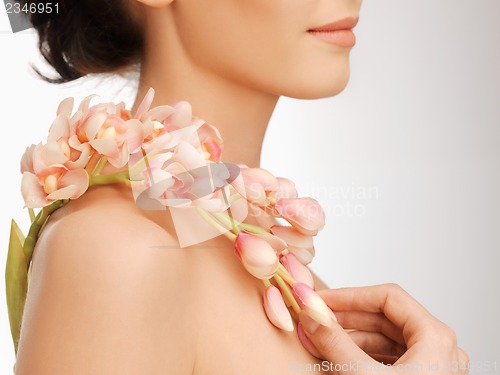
x: 107, y: 296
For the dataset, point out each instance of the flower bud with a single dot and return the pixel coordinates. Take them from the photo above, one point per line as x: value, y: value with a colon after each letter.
x: 286, y: 189
x: 312, y: 303
x: 297, y: 243
x: 257, y: 256
x: 297, y: 270
x: 304, y: 214
x: 276, y: 310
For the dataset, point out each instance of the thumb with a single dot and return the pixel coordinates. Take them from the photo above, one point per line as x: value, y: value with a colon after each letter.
x: 335, y: 345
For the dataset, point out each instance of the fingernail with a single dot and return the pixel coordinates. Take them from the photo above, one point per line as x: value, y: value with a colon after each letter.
x: 312, y: 304
x: 306, y: 343
x: 333, y: 316
x: 309, y: 324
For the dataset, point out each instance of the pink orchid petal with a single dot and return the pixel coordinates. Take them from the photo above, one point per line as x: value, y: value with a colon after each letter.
x: 47, y: 155
x: 27, y: 159
x: 84, y: 105
x: 134, y: 135
x: 93, y: 124
x: 260, y: 176
x: 214, y: 148
x: 72, y: 185
x: 74, y: 120
x: 159, y: 113
x: 206, y: 130
x: 159, y: 160
x: 159, y: 181
x: 182, y: 115
x: 52, y: 153
x: 65, y: 107
x: 63, y: 193
x: 188, y: 156
x: 148, y: 126
x: 276, y: 309
x: 75, y: 143
x: 121, y: 160
x: 257, y: 182
x: 32, y: 191
x: 145, y: 104
x: 83, y: 158
x: 165, y: 141
x: 106, y: 147
x: 59, y: 129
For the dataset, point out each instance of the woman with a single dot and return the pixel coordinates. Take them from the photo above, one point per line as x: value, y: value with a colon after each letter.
x: 111, y: 291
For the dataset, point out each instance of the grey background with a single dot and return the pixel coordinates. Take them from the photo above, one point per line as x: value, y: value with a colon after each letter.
x: 405, y: 160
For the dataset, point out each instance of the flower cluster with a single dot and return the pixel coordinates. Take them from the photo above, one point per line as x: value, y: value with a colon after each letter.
x: 81, y: 145
x: 170, y: 159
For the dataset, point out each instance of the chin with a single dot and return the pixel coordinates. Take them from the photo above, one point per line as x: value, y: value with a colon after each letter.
x: 322, y: 83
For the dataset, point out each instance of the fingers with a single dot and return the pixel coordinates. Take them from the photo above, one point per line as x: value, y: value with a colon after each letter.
x: 306, y: 343
x: 390, y: 299
x: 377, y: 343
x: 333, y: 343
x: 370, y: 322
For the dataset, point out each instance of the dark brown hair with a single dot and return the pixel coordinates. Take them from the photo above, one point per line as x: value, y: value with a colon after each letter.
x: 87, y: 36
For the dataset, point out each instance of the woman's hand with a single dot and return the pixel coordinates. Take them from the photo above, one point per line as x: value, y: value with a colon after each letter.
x: 382, y: 323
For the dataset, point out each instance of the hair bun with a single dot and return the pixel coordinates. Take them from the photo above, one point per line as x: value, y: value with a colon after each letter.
x: 87, y: 36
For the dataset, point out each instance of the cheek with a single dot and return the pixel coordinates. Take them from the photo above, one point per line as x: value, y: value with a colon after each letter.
x: 262, y: 44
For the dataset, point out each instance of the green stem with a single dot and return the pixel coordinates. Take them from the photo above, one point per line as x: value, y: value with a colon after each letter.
x: 36, y: 226
x: 210, y: 220
x: 31, y: 212
x: 99, y: 166
x: 283, y: 272
x: 287, y: 293
x: 236, y: 225
x: 113, y: 178
x: 228, y: 221
x: 266, y: 282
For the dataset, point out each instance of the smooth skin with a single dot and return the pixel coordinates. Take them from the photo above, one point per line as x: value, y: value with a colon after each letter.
x: 111, y: 292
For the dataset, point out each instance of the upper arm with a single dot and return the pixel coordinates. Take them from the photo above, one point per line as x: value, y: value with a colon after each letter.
x: 106, y: 296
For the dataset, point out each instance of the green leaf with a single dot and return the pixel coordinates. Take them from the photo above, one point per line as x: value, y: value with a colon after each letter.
x: 16, y: 281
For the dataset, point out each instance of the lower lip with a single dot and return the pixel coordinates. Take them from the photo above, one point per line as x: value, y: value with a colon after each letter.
x: 341, y: 38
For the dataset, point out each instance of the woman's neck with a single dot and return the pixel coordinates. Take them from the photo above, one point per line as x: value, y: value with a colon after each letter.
x: 240, y: 113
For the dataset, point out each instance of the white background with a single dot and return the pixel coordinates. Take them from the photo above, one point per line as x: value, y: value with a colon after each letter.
x: 405, y: 160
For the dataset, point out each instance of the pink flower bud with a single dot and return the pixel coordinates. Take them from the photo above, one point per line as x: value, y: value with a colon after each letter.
x: 312, y: 303
x: 297, y: 270
x: 305, y: 214
x: 276, y: 243
x: 286, y: 189
x: 257, y: 256
x: 276, y: 310
x: 298, y: 244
